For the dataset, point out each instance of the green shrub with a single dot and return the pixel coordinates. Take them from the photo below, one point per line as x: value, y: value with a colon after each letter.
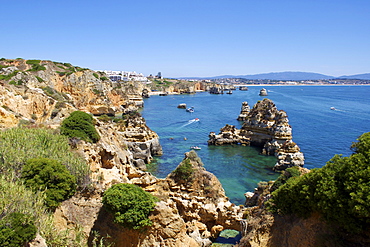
x: 96, y: 75
x: 284, y: 176
x: 130, y: 205
x: 16, y: 230
x: 17, y: 145
x: 339, y: 191
x: 103, y: 78
x: 52, y: 176
x: 39, y: 79
x: 51, y: 92
x: 97, y: 92
x: 80, y: 124
x: 184, y: 170
x: 8, y: 77
x: 105, y: 118
x: 35, y: 65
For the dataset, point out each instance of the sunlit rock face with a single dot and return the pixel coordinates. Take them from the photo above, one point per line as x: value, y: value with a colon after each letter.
x: 264, y: 126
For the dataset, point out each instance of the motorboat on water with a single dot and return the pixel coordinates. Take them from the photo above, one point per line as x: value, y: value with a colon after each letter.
x: 332, y: 108
x: 195, y: 148
x: 191, y: 109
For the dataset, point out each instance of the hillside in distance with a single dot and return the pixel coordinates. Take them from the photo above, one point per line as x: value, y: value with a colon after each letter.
x: 359, y: 76
x: 287, y: 76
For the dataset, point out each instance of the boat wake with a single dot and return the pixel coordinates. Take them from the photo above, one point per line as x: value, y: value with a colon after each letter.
x: 335, y: 109
x: 190, y: 122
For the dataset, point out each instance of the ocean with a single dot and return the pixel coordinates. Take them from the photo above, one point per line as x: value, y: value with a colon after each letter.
x: 320, y: 131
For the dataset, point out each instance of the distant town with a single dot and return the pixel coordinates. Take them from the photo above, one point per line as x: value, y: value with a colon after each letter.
x: 291, y: 82
x: 122, y: 76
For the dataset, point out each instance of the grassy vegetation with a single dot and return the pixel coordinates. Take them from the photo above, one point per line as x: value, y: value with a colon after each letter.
x: 8, y: 77
x: 17, y: 198
x: 36, y: 66
x: 17, y: 83
x: 51, y: 92
x: 18, y: 145
x: 39, y: 79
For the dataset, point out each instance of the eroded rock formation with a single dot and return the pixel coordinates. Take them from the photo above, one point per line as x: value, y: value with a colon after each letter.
x: 264, y: 126
x: 189, y: 213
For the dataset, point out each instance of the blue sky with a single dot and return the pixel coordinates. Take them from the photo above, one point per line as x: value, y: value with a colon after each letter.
x: 192, y: 37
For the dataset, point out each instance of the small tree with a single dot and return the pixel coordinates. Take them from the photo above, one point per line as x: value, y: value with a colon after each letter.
x: 130, y: 205
x: 52, y: 176
x: 80, y: 124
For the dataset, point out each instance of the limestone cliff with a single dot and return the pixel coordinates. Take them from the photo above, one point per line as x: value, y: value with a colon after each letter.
x: 42, y: 93
x: 189, y: 213
x: 264, y: 126
x: 264, y: 229
x: 45, y: 92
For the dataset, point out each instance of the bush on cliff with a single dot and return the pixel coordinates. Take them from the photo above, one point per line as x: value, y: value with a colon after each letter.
x: 284, y: 176
x: 339, y: 191
x: 51, y: 176
x: 16, y: 230
x: 18, y: 145
x: 130, y: 205
x: 80, y: 124
x: 184, y: 171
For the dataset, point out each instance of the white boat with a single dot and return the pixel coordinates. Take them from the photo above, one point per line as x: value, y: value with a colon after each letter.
x: 332, y: 108
x: 195, y: 148
x: 191, y: 109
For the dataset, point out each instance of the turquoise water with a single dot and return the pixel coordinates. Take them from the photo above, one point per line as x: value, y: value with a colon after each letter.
x: 319, y: 131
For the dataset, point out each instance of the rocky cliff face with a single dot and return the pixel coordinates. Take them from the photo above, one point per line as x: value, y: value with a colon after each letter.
x: 43, y: 93
x: 189, y: 213
x: 262, y: 228
x: 264, y: 126
x: 47, y: 91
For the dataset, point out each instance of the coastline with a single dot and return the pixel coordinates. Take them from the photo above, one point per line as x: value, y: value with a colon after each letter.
x: 157, y: 93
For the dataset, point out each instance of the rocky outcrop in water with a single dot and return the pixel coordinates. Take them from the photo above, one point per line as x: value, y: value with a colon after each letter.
x: 263, y: 92
x: 244, y: 111
x: 267, y: 127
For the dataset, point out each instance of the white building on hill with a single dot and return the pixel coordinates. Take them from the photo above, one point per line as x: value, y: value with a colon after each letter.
x: 126, y: 76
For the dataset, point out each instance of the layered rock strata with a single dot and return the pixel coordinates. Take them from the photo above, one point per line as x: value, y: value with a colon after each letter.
x: 264, y: 126
x: 190, y: 212
x: 244, y: 111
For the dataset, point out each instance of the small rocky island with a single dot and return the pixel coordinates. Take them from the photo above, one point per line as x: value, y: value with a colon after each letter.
x: 264, y: 126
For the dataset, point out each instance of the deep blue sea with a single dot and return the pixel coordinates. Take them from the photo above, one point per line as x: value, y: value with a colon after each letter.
x: 319, y: 131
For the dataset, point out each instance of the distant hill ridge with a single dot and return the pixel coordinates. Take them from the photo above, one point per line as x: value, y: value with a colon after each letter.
x: 287, y: 76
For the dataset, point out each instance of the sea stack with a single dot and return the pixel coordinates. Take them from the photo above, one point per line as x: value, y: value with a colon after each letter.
x: 267, y: 127
x: 263, y: 92
x: 244, y: 111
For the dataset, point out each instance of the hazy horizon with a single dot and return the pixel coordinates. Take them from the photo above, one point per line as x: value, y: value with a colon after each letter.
x: 192, y: 38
